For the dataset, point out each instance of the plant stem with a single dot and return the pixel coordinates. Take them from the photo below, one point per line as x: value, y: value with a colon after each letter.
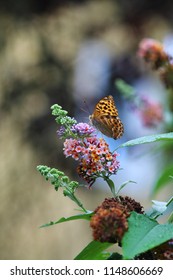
x: 70, y: 194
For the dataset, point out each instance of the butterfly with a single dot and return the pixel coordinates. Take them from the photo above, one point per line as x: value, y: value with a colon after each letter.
x: 105, y: 118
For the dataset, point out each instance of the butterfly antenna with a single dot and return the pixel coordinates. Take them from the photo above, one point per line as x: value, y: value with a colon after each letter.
x: 87, y: 107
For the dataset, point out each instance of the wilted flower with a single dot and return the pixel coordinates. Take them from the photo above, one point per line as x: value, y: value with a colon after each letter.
x: 109, y: 222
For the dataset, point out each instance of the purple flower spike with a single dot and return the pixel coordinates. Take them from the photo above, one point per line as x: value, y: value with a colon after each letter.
x: 82, y: 129
x: 61, y: 131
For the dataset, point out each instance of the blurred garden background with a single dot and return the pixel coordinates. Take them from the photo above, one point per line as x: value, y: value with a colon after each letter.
x: 70, y: 53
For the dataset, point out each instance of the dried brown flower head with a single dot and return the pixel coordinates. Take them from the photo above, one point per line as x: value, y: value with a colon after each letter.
x: 109, y: 222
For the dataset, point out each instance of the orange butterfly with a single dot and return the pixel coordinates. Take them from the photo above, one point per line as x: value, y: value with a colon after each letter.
x: 105, y: 118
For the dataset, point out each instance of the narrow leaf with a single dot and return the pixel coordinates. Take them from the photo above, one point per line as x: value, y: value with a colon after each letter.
x: 112, y: 186
x: 94, y: 251
x: 124, y: 184
x: 148, y: 139
x: 144, y: 234
x: 163, y: 179
x: 85, y: 216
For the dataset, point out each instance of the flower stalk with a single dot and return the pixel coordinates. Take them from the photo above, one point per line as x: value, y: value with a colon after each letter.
x: 59, y: 179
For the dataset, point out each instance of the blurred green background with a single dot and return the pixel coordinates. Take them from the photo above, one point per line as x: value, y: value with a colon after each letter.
x: 39, y: 46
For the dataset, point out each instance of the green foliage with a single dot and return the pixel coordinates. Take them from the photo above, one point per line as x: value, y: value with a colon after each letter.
x: 63, y: 120
x: 148, y: 139
x: 86, y: 216
x: 111, y: 186
x: 127, y: 91
x: 164, y: 179
x: 59, y: 179
x: 124, y: 184
x: 62, y: 117
x: 94, y: 251
x: 144, y: 234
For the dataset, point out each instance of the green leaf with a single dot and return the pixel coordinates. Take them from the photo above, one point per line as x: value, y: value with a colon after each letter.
x: 111, y: 186
x: 94, y: 251
x: 144, y: 234
x: 85, y: 216
x: 170, y: 219
x: 148, y: 139
x: 163, y: 179
x: 127, y: 90
x: 115, y: 256
x: 124, y: 184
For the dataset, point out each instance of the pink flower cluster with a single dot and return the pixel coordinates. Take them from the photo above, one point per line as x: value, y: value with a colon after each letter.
x: 150, y: 112
x: 153, y: 52
x: 94, y: 156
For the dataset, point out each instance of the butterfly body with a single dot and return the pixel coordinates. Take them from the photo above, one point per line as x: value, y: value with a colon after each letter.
x: 105, y: 118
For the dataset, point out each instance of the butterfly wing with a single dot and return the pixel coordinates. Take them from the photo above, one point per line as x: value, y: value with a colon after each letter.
x: 105, y: 118
x: 106, y: 106
x: 118, y: 128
